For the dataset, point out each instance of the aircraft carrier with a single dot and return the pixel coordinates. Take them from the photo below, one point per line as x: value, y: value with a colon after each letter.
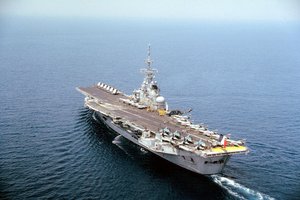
x: 144, y: 118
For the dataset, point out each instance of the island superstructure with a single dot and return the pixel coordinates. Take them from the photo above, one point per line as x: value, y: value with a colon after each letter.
x: 144, y: 118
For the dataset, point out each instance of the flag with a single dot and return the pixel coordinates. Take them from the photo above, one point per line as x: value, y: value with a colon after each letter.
x: 223, y: 140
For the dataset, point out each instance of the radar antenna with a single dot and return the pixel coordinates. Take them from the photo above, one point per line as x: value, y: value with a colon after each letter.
x: 148, y: 71
x: 148, y: 61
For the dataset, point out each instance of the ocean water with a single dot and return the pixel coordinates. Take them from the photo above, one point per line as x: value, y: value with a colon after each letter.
x: 242, y: 79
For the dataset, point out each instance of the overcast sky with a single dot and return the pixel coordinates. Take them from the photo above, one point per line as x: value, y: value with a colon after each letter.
x: 226, y: 10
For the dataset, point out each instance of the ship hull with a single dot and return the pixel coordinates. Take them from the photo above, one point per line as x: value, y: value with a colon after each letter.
x: 187, y: 160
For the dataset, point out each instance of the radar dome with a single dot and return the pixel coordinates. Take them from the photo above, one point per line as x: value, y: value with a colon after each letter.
x: 160, y: 99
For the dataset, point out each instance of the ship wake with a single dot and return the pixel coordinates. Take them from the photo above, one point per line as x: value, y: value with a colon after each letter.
x: 237, y: 190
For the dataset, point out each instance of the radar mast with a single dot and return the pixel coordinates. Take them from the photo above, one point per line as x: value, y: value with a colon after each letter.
x: 149, y: 72
x: 149, y: 93
x: 149, y: 61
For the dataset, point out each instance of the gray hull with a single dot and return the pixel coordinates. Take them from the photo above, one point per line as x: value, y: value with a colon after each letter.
x: 187, y: 160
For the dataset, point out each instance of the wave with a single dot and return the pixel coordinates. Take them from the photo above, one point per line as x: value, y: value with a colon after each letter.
x: 239, y: 191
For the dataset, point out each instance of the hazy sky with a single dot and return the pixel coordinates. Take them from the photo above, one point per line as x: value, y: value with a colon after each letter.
x: 228, y: 10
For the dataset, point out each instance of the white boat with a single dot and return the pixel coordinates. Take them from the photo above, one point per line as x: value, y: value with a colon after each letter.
x: 144, y: 118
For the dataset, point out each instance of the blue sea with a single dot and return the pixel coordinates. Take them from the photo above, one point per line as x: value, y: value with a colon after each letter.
x: 239, y: 78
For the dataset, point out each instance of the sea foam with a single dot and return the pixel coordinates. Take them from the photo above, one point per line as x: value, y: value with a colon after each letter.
x: 237, y: 190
